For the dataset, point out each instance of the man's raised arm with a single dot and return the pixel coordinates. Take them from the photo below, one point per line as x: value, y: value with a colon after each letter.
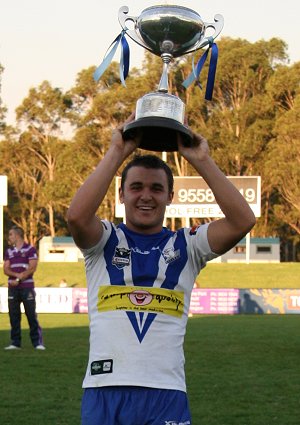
x: 84, y: 226
x: 239, y: 219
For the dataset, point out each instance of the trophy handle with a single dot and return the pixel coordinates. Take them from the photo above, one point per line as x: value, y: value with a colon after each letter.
x: 123, y: 18
x: 217, y: 25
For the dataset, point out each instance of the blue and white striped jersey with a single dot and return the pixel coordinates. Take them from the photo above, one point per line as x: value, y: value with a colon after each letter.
x: 139, y: 289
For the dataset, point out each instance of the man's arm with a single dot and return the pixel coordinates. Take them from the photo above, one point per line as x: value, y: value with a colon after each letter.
x: 8, y: 271
x: 32, y: 266
x: 239, y: 219
x: 84, y: 226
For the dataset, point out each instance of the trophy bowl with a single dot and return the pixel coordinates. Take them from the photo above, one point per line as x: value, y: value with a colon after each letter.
x: 181, y: 26
x: 168, y: 31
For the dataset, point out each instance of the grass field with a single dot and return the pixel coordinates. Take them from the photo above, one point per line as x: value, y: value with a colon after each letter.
x: 264, y: 275
x: 241, y: 370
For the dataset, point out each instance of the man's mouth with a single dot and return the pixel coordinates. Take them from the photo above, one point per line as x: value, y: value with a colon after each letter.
x: 145, y: 208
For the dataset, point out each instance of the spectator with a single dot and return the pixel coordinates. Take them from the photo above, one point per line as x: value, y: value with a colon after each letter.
x: 20, y: 263
x: 63, y: 283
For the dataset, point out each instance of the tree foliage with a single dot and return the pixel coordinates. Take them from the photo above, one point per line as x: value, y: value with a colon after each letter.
x: 252, y: 125
x: 3, y: 109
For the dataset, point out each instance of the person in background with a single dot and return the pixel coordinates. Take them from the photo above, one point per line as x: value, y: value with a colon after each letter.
x: 140, y: 276
x: 63, y: 283
x: 20, y: 263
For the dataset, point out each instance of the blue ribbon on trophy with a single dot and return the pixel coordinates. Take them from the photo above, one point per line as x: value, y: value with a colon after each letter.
x: 168, y: 31
x: 195, y: 75
x: 124, y: 59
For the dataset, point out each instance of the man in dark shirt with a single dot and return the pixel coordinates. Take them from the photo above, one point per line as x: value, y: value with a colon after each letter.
x: 20, y: 263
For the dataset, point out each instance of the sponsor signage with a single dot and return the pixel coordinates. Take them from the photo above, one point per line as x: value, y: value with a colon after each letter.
x: 203, y: 301
x: 193, y: 197
x: 214, y: 301
x: 270, y: 301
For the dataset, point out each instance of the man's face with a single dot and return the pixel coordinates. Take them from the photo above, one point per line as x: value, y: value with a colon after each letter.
x: 12, y: 237
x: 145, y: 197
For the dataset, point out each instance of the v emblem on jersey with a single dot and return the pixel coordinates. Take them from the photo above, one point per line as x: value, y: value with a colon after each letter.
x: 141, y: 322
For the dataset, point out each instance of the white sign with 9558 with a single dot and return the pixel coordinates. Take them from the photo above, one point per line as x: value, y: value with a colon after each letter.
x: 194, y: 198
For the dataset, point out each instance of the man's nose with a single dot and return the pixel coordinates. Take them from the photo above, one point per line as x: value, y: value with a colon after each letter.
x: 146, y: 194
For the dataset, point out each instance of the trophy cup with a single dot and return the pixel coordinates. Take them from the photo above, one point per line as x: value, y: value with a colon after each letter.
x: 168, y: 31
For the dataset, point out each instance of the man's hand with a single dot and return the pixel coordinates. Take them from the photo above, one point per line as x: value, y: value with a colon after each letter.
x: 117, y: 141
x: 197, y: 151
x: 15, y: 282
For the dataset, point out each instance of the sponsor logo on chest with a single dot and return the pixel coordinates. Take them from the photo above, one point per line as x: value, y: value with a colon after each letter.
x: 121, y: 257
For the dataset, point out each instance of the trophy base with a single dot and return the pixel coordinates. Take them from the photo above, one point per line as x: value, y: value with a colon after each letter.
x: 158, y: 133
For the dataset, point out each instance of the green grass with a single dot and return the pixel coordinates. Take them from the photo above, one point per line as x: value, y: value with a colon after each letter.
x: 241, y: 370
x: 244, y: 370
x: 50, y: 274
x: 224, y: 275
x: 44, y: 387
x: 263, y: 275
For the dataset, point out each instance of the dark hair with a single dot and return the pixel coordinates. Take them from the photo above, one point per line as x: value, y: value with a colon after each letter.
x: 18, y: 230
x: 149, y: 161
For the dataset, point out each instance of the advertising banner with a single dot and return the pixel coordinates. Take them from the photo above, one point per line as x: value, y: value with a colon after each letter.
x: 269, y: 301
x: 203, y: 301
x: 48, y: 300
x: 214, y: 301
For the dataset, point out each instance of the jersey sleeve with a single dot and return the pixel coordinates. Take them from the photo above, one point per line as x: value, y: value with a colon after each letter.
x: 32, y: 254
x: 92, y: 252
x: 6, y: 256
x: 200, y: 250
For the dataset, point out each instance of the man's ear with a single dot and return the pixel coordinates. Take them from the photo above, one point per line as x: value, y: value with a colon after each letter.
x: 171, y: 196
x: 121, y: 198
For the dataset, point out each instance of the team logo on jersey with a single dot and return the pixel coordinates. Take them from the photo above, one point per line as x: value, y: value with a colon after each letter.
x: 140, y: 322
x: 121, y: 257
x: 170, y: 255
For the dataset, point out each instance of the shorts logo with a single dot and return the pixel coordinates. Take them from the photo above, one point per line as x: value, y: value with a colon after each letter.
x: 30, y: 296
x: 99, y: 367
x: 177, y: 423
x: 121, y: 257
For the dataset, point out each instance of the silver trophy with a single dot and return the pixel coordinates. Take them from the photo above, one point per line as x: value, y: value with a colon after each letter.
x: 168, y: 31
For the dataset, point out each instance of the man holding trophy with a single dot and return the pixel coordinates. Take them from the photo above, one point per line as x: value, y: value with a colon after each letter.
x: 140, y: 274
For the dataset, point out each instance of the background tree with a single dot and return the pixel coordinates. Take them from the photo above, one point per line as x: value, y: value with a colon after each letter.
x: 43, y: 114
x: 24, y: 181
x: 3, y: 109
x: 282, y: 169
x: 239, y: 121
x: 252, y: 125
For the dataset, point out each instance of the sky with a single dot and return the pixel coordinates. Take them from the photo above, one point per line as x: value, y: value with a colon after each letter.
x: 54, y: 40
